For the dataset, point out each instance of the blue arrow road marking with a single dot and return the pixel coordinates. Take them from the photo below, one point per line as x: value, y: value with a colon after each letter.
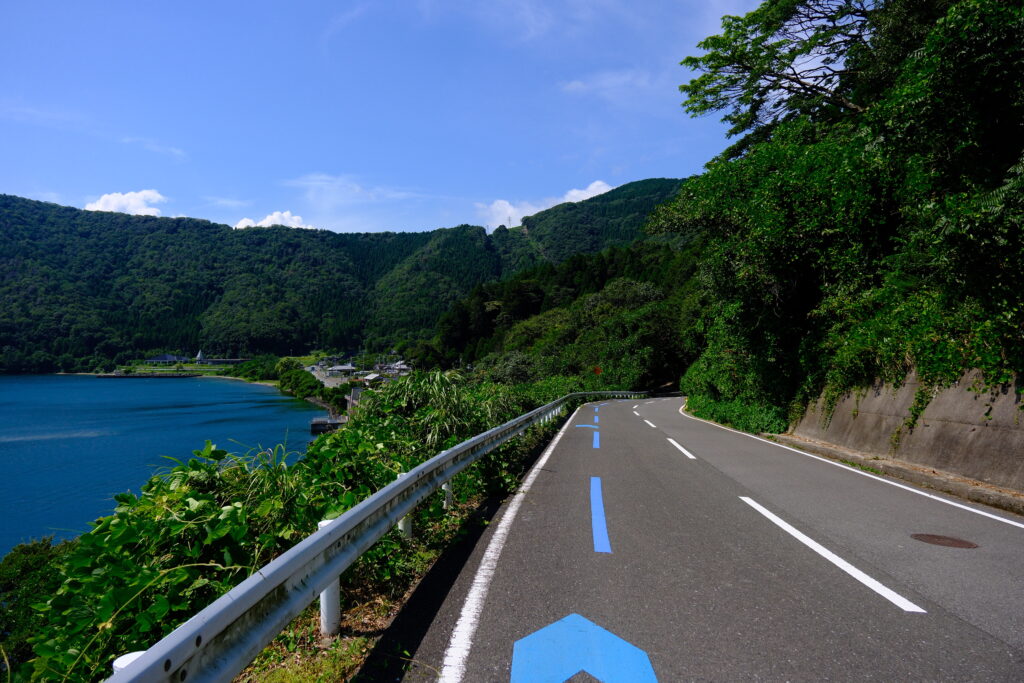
x: 597, y: 439
x: 597, y: 521
x: 563, y: 649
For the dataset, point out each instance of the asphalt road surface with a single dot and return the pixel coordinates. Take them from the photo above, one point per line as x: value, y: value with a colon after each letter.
x: 647, y: 545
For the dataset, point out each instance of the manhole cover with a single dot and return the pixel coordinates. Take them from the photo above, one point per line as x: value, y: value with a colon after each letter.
x: 947, y: 541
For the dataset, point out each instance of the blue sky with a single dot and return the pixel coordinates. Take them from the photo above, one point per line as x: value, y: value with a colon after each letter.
x: 348, y: 115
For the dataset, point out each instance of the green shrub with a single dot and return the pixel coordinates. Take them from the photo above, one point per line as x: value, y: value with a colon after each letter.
x: 28, y: 574
x: 748, y: 417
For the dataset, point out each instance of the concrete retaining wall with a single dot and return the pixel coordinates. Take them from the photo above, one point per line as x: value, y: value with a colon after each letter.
x: 974, y: 435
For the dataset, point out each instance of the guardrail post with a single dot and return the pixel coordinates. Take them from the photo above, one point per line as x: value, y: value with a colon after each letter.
x: 330, y: 602
x: 405, y: 523
x: 447, y: 488
x: 122, y: 662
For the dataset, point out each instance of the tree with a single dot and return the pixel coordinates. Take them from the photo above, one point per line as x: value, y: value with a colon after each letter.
x: 785, y: 57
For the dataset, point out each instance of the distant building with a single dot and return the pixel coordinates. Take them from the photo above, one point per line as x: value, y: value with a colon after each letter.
x: 201, y: 359
x: 167, y: 359
x: 340, y: 370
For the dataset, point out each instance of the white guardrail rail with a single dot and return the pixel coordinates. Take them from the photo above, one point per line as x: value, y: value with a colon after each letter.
x: 221, y: 640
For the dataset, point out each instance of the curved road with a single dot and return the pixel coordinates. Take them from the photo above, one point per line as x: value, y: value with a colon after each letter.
x: 648, y: 545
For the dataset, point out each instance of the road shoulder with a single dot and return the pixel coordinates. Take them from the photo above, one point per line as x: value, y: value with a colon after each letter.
x: 945, y: 482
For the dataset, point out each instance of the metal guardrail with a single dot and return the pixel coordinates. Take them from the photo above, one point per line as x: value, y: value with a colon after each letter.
x: 221, y: 640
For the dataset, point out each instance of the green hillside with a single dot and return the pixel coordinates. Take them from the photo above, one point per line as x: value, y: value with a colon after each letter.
x: 612, y: 219
x: 82, y: 289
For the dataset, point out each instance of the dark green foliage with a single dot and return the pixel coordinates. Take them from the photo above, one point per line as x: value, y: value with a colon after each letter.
x: 618, y: 319
x: 478, y: 325
x: 408, y: 300
x: 841, y: 249
x: 300, y: 383
x: 261, y: 368
x: 84, y: 289
x: 29, y: 573
x: 614, y: 218
x: 750, y: 417
x: 785, y: 58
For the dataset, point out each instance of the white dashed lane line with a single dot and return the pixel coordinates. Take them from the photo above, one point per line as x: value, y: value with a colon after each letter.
x: 685, y: 452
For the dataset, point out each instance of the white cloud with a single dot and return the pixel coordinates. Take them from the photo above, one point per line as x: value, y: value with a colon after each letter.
x: 136, y: 203
x: 228, y: 202
x: 286, y: 218
x: 606, y: 82
x: 154, y: 146
x: 535, y: 20
x: 623, y: 87
x: 326, y: 191
x: 45, y: 196
x: 338, y: 23
x: 23, y: 113
x: 504, y: 212
x: 592, y: 190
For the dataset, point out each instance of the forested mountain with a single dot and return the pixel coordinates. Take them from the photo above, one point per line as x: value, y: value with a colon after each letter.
x: 868, y: 222
x: 82, y: 288
x: 611, y: 219
x: 619, y: 310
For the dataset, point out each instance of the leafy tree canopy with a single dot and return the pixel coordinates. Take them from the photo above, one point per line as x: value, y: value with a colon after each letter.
x: 786, y: 56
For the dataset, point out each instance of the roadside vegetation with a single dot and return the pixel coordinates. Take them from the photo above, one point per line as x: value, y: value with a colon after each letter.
x: 205, y: 524
x: 868, y: 223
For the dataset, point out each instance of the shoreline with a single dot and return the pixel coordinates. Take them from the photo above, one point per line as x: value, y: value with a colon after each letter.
x: 323, y: 404
x: 326, y: 407
x: 263, y: 382
x: 271, y: 383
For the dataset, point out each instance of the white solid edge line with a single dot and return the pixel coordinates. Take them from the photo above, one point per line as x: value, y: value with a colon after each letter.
x: 685, y: 452
x: 650, y: 423
x: 887, y: 593
x: 682, y: 411
x: 461, y: 641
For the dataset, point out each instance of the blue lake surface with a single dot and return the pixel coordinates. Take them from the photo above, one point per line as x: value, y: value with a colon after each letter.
x: 68, y: 443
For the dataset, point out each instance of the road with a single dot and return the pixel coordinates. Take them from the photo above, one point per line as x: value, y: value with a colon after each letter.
x: 648, y: 545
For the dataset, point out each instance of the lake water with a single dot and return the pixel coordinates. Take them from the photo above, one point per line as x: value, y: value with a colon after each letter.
x: 68, y: 443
